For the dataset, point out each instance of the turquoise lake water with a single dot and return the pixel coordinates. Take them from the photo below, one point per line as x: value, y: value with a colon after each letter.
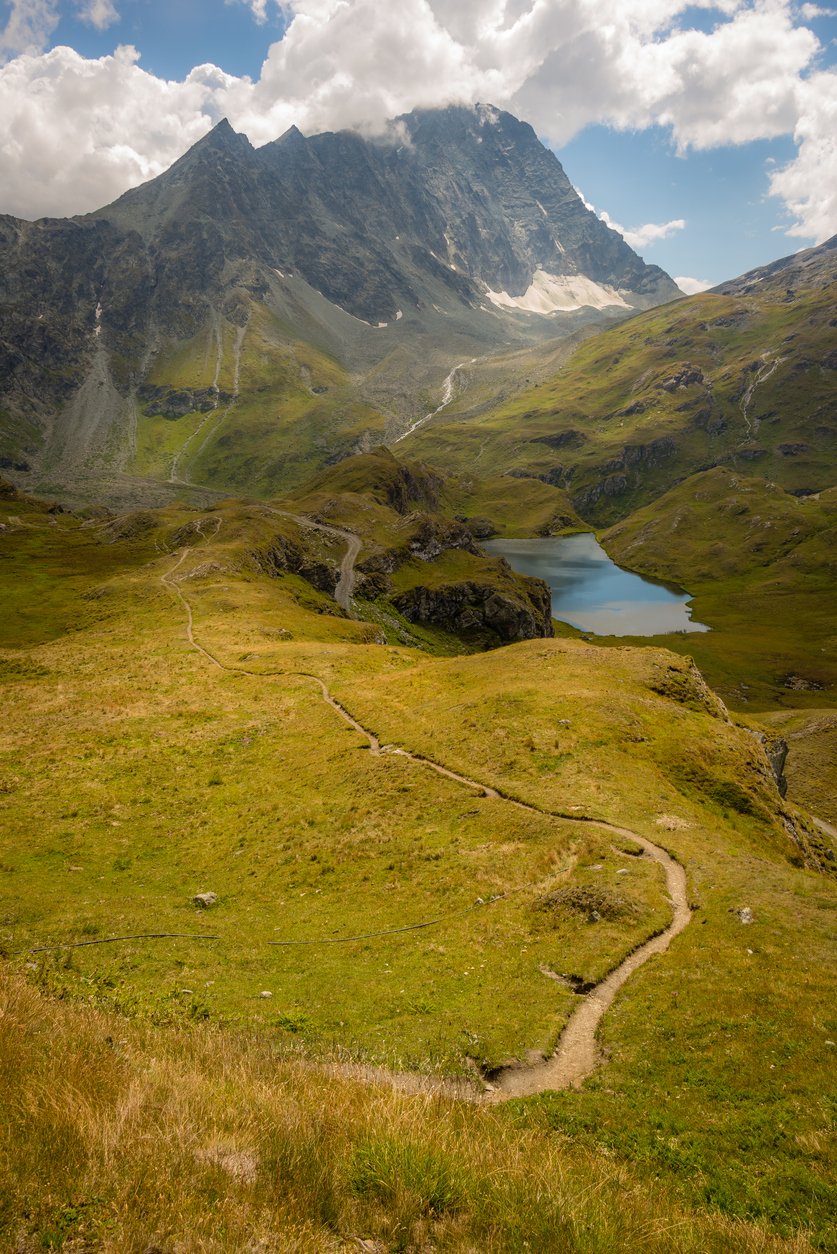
x: 591, y: 592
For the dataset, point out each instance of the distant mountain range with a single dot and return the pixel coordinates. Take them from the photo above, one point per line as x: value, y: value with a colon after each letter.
x: 457, y: 233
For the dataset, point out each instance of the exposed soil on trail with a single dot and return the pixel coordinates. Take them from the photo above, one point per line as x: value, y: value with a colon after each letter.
x: 577, y: 1054
x: 346, y: 583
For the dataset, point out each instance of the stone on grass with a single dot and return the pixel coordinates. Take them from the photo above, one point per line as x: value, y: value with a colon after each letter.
x: 205, y: 900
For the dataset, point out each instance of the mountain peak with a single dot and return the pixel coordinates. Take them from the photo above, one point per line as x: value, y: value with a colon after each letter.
x: 222, y: 136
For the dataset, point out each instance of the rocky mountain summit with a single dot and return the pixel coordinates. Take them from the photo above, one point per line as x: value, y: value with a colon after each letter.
x: 454, y: 204
x: 454, y: 232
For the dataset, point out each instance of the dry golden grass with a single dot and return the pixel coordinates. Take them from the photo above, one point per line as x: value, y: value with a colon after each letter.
x: 121, y: 1139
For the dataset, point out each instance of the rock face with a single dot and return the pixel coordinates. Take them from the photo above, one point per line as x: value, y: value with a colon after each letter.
x: 460, y: 202
x: 776, y: 751
x: 458, y: 219
x: 178, y: 402
x: 283, y: 556
x: 476, y: 610
x: 466, y: 198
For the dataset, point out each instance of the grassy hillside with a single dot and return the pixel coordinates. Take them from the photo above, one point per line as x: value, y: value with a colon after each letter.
x: 745, y: 381
x: 283, y: 407
x: 760, y: 564
x: 137, y: 772
x: 120, y: 1137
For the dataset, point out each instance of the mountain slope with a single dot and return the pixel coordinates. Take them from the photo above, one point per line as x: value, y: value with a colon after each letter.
x: 388, y: 260
x: 743, y: 377
x: 459, y: 203
x: 149, y: 756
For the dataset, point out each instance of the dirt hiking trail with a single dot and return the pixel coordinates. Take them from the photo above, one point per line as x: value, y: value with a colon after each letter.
x: 577, y: 1054
x: 346, y: 583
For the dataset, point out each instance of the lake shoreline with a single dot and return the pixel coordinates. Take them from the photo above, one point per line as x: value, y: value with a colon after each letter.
x: 591, y: 593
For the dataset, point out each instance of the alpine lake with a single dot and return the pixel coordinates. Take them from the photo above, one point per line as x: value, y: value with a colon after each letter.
x: 592, y: 593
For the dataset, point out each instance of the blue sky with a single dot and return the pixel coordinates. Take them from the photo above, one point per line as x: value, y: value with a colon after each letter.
x: 732, y: 224
x: 175, y: 36
x: 705, y: 132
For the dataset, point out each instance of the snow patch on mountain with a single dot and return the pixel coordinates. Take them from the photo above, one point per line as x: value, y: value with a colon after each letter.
x: 549, y: 293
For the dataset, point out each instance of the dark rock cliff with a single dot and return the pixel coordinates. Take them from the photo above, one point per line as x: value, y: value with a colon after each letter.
x: 481, y: 611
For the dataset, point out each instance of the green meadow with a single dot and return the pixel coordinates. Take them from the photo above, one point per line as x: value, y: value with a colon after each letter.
x: 136, y: 772
x: 658, y: 397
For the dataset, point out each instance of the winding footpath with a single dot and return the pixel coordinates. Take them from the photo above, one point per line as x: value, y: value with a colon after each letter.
x: 346, y: 582
x: 577, y: 1054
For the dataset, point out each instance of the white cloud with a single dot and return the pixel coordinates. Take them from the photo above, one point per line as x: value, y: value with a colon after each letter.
x: 808, y: 184
x: 561, y: 64
x: 259, y: 10
x: 98, y: 13
x: 30, y: 24
x: 641, y: 236
x: 357, y: 62
x: 78, y: 132
x: 637, y: 236
x: 692, y: 286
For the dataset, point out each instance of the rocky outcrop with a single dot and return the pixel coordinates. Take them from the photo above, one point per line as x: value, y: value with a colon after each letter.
x: 619, y: 473
x: 481, y: 611
x: 282, y: 556
x: 480, y: 528
x: 685, y: 377
x: 178, y: 402
x: 430, y: 536
x: 433, y: 536
x: 776, y: 751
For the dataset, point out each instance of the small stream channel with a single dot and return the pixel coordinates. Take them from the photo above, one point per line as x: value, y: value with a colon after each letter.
x: 592, y: 593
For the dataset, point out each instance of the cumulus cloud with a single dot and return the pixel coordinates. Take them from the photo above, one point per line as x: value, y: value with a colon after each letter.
x: 692, y: 286
x: 356, y: 62
x: 637, y: 236
x: 76, y: 132
x: 561, y: 64
x: 31, y: 22
x: 808, y: 184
